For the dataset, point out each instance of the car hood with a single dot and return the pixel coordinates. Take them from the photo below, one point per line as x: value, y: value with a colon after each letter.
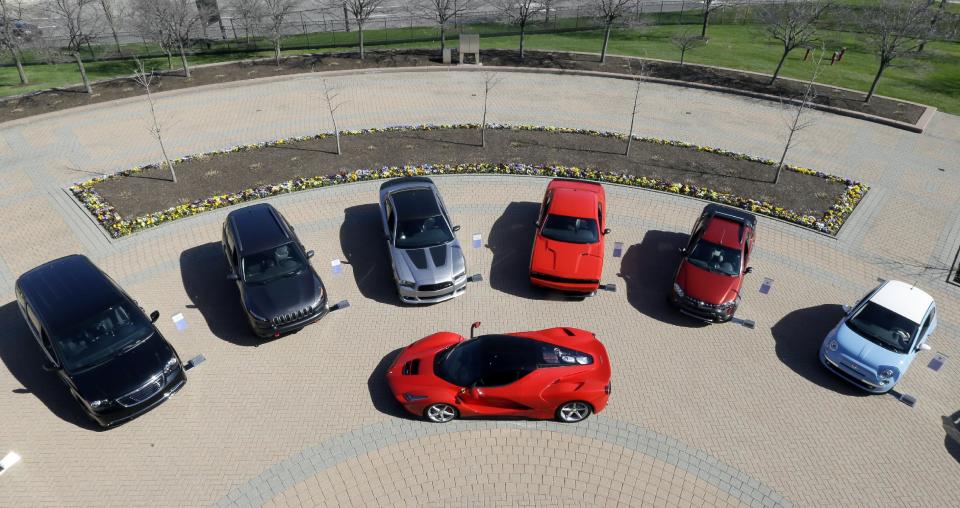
x: 707, y: 286
x: 126, y: 372
x: 571, y: 260
x: 413, y: 367
x: 283, y: 296
x: 854, y: 347
x: 431, y: 265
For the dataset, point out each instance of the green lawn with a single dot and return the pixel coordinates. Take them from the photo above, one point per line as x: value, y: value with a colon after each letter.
x: 932, y: 77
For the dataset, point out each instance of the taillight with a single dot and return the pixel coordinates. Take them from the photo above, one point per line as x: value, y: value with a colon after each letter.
x: 607, y: 389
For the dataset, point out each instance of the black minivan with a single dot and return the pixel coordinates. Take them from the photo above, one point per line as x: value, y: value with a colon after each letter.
x: 98, y: 340
x: 279, y: 289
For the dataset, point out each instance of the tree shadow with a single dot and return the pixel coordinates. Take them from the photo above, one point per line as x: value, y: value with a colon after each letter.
x: 951, y: 424
x: 647, y: 270
x: 204, y: 270
x: 23, y: 358
x: 511, y: 242
x: 380, y: 393
x: 363, y: 246
x: 799, y: 336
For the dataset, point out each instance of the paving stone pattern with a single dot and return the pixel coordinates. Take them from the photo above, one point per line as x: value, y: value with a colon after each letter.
x: 305, y: 420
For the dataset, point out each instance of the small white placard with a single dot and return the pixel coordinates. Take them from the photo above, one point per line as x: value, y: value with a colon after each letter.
x: 477, y: 240
x: 336, y: 266
x: 179, y: 321
x: 8, y: 461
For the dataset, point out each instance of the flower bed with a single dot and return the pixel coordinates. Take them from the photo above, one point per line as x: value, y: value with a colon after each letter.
x: 117, y: 226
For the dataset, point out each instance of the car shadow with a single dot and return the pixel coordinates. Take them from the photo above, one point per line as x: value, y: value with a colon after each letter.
x: 204, y: 270
x: 363, y: 246
x: 798, y: 337
x: 647, y: 269
x: 951, y: 425
x: 23, y: 358
x: 380, y: 393
x: 511, y: 242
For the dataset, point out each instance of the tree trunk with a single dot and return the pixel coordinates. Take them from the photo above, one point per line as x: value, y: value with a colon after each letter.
x: 606, y: 42
x: 360, y: 30
x: 873, y: 86
x: 443, y: 37
x: 169, y: 58
x: 116, y: 40
x: 683, y: 51
x: 83, y: 73
x: 706, y: 19
x: 779, y: 65
x: 276, y: 51
x: 633, y: 118
x: 183, y: 61
x: 20, y: 71
x: 523, y: 29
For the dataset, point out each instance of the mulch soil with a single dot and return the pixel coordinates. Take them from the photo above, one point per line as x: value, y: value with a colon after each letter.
x: 200, y: 178
x: 60, y: 99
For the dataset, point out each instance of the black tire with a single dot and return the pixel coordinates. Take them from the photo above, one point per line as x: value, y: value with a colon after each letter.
x: 573, y: 411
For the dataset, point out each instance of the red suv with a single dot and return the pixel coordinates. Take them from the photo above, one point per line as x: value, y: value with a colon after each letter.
x: 568, y: 247
x: 707, y: 285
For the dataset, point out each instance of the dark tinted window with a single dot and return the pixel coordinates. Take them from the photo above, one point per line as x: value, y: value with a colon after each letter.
x: 495, y: 360
x: 571, y: 229
x: 884, y: 327
x: 272, y: 264
x: 101, y: 337
x: 420, y: 223
x: 715, y: 258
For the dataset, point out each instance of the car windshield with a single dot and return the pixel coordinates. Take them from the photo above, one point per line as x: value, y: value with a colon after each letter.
x: 570, y: 229
x: 422, y: 232
x: 715, y: 258
x: 102, y: 337
x: 495, y: 360
x: 273, y: 264
x: 884, y: 327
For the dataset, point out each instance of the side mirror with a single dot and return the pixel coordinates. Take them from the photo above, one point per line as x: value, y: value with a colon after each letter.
x: 473, y: 327
x: 154, y: 316
x: 923, y: 347
x: 846, y: 308
x: 310, y: 254
x: 49, y: 367
x: 748, y: 270
x: 456, y: 228
x: 232, y: 276
x: 606, y: 231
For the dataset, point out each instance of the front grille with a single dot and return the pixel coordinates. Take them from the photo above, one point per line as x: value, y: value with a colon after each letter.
x: 292, y: 316
x: 855, y: 379
x: 700, y: 303
x: 143, y: 393
x: 554, y: 278
x: 435, y: 287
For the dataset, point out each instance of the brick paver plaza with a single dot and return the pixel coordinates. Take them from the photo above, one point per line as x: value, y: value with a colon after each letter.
x: 704, y: 416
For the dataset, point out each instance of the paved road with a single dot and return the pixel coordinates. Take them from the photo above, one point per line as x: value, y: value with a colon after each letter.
x: 700, y: 416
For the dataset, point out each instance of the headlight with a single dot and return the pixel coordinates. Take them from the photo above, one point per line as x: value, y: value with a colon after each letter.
x: 172, y: 364
x: 460, y: 275
x: 677, y: 290
x: 833, y: 345
x: 320, y: 301
x: 886, y: 372
x: 407, y: 284
x: 257, y: 317
x: 100, y: 404
x: 727, y: 305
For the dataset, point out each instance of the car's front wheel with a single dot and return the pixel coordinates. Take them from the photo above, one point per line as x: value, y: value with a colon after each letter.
x: 440, y: 413
x: 574, y: 411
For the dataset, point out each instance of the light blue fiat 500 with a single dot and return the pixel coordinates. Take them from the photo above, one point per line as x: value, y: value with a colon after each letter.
x: 874, y: 344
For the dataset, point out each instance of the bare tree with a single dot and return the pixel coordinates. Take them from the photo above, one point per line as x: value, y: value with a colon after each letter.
x: 331, y: 97
x: 114, y: 12
x: 276, y: 12
x: 83, y: 72
x: 640, y: 76
x: 78, y: 22
x: 11, y: 41
x: 168, y: 22
x: 793, y: 24
x: 361, y: 10
x: 518, y: 12
x: 490, y: 81
x: 685, y: 41
x: 609, y: 11
x: 895, y: 28
x: 248, y: 11
x: 711, y: 6
x: 935, y: 20
x: 797, y: 123
x: 144, y: 79
x: 441, y: 12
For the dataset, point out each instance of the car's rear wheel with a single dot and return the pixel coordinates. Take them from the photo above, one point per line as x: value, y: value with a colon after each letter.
x: 440, y: 413
x: 574, y: 411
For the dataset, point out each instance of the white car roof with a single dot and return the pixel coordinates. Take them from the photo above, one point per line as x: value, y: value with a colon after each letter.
x: 909, y: 301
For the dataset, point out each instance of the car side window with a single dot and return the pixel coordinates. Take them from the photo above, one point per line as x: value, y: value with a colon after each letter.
x: 391, y: 218
x: 926, y: 323
x: 600, y: 215
x: 747, y: 248
x: 544, y: 207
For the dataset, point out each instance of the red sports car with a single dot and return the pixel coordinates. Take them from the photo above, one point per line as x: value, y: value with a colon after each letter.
x: 707, y: 286
x: 561, y: 373
x: 568, y: 247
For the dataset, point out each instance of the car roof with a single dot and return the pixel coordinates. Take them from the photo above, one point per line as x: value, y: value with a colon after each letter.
x: 575, y: 199
x: 725, y: 232
x: 415, y: 203
x: 68, y: 290
x: 257, y: 228
x: 909, y: 301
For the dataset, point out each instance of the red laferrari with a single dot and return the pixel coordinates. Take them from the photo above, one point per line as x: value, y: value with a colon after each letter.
x: 568, y: 247
x: 561, y: 373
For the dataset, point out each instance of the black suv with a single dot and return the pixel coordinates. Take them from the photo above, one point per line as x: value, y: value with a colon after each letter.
x: 279, y: 289
x: 98, y: 340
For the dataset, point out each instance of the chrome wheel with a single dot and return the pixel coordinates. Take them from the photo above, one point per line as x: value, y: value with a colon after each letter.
x: 441, y: 413
x: 573, y: 412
